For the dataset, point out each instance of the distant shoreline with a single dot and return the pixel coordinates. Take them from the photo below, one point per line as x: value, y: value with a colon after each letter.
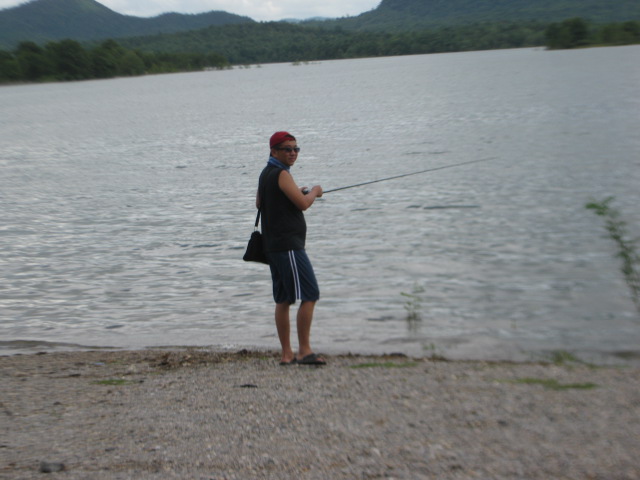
x: 604, y: 359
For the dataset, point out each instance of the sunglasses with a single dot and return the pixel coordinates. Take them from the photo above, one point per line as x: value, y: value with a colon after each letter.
x: 289, y: 149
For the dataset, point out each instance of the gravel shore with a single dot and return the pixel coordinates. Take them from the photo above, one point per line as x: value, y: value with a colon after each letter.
x: 201, y: 414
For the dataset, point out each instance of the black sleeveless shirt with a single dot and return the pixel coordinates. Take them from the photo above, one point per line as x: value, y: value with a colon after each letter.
x: 283, y: 224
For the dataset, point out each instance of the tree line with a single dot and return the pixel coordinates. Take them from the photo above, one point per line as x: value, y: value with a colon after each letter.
x: 577, y: 32
x: 69, y: 60
x: 283, y: 42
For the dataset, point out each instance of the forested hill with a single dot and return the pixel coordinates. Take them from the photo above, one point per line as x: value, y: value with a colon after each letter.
x: 46, y: 34
x: 405, y: 15
x: 40, y: 21
x: 44, y: 20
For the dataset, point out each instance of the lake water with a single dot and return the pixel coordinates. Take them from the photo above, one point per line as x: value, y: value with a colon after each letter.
x: 127, y: 204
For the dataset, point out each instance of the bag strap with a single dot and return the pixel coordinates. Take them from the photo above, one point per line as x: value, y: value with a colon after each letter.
x: 257, y: 220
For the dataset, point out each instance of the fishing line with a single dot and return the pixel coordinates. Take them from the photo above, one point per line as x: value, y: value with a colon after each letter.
x: 409, y: 174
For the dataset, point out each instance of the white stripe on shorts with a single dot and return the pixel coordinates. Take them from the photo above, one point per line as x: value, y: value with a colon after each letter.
x: 296, y: 277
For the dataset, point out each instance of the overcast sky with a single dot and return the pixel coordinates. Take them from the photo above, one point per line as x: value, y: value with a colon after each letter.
x: 261, y: 10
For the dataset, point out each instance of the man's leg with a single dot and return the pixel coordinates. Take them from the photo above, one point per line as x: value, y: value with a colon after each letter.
x: 284, y: 331
x: 304, y: 319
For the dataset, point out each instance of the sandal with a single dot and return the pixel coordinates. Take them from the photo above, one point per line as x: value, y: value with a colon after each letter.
x: 312, y: 359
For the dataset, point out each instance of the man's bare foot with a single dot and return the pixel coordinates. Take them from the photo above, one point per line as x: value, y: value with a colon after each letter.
x: 288, y: 360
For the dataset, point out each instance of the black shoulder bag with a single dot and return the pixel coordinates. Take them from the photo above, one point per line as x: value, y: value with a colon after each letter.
x: 255, y: 249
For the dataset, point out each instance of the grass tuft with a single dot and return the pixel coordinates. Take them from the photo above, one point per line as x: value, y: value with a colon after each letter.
x: 114, y: 381
x: 552, y: 384
x: 384, y: 365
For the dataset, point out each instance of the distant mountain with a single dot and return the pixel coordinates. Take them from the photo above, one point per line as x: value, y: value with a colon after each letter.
x: 84, y: 20
x: 396, y: 27
x: 404, y: 15
x: 43, y: 20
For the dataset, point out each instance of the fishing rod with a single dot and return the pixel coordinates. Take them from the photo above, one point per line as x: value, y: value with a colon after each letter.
x: 409, y: 174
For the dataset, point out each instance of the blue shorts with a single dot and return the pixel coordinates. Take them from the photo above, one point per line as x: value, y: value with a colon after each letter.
x: 293, y: 277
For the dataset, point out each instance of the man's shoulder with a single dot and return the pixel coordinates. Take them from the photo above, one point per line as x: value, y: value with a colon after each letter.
x: 271, y: 171
x: 269, y: 168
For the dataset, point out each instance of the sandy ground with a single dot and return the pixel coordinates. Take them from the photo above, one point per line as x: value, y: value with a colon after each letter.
x: 201, y: 414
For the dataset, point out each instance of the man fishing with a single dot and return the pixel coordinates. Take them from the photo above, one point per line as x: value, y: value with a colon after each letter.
x: 284, y: 231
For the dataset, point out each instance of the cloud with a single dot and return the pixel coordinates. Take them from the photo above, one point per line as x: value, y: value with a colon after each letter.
x: 9, y: 3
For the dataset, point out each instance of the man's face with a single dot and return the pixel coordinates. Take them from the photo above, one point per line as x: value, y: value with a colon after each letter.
x: 285, y: 152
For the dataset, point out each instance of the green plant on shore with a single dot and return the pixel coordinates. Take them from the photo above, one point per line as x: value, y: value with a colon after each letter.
x: 627, y: 252
x: 562, y: 357
x: 413, y: 306
x: 434, y: 354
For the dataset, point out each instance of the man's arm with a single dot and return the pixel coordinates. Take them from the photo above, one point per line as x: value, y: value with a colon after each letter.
x: 293, y: 193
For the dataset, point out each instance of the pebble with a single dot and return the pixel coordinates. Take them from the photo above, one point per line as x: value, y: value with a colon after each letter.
x: 51, y: 467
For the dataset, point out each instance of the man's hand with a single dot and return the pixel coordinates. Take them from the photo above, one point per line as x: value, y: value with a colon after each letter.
x: 295, y: 194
